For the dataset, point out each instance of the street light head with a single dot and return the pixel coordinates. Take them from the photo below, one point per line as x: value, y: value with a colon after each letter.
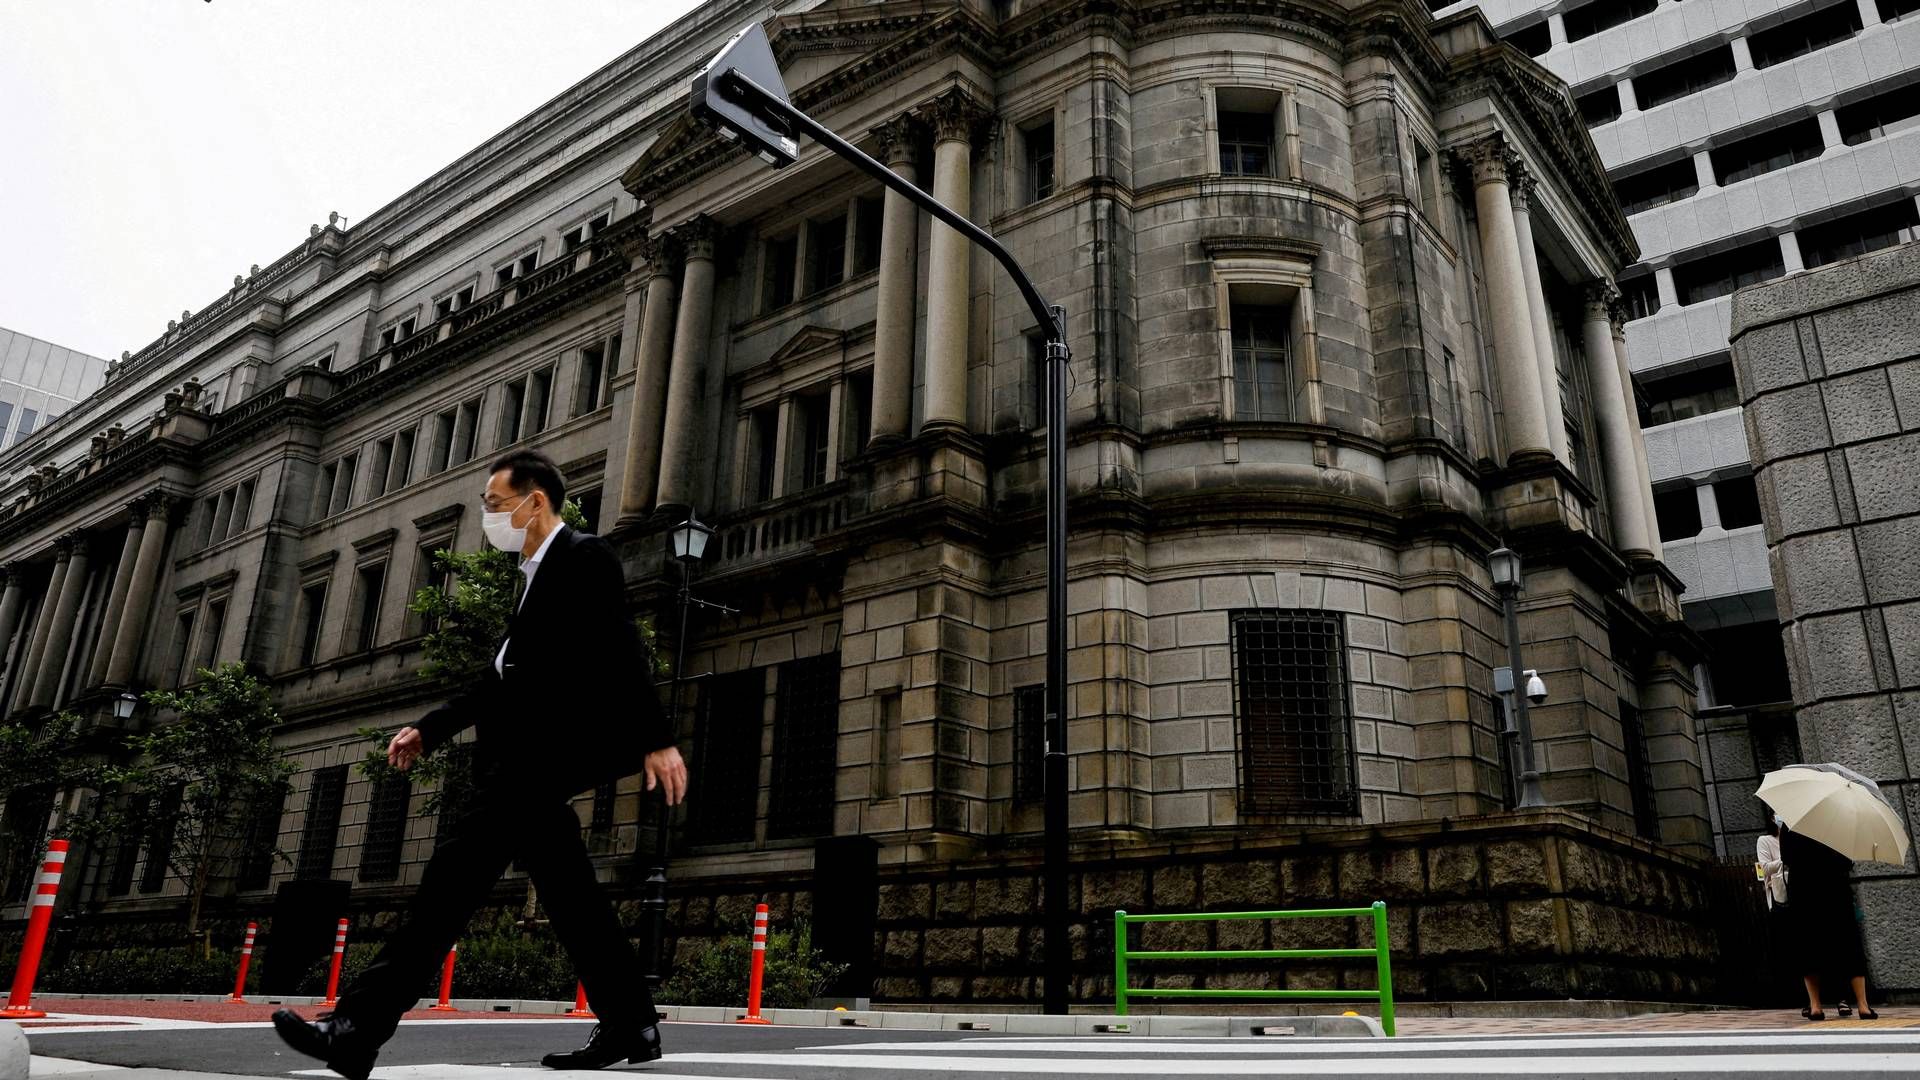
x: 722, y: 97
x: 1504, y: 562
x: 690, y: 540
x: 124, y: 705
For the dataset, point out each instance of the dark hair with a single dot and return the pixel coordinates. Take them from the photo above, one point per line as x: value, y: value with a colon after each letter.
x: 533, y: 469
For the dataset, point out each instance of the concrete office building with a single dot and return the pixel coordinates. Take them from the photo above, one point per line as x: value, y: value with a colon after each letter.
x: 1340, y: 285
x: 38, y: 381
x: 1746, y: 140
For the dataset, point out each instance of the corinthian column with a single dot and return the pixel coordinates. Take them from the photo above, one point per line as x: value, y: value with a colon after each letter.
x: 899, y: 281
x: 11, y: 601
x: 117, y: 598
x: 680, y: 440
x: 1617, y: 427
x: 954, y: 117
x: 1522, y: 187
x: 147, y: 568
x: 42, y: 625
x: 53, y: 660
x: 653, y: 359
x: 1522, y: 406
x: 1618, y: 325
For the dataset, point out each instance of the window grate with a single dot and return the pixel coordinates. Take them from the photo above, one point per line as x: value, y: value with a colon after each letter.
x: 30, y: 810
x: 322, y: 829
x: 1646, y: 817
x: 127, y: 853
x: 153, y: 876
x: 262, y: 833
x: 806, y: 728
x: 386, y: 828
x: 727, y: 759
x: 1296, y: 747
x: 601, y: 823
x: 456, y: 790
x: 1029, y: 743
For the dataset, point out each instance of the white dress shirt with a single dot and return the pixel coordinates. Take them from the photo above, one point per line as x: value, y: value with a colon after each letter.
x: 528, y: 566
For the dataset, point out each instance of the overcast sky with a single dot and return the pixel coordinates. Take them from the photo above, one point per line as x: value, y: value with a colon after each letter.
x: 150, y: 150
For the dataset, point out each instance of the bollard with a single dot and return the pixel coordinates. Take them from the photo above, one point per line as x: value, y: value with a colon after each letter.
x: 333, y: 974
x: 20, y: 1001
x: 580, y: 1002
x: 759, y: 967
x: 246, y: 957
x: 446, y: 984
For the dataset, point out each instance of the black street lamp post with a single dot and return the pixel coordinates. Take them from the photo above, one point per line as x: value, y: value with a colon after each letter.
x: 742, y: 94
x: 1504, y: 563
x: 689, y: 547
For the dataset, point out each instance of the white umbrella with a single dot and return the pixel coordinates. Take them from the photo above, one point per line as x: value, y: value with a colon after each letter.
x: 1838, y: 807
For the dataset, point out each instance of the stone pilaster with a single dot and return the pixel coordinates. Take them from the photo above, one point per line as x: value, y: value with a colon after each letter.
x: 53, y: 660
x: 20, y: 687
x: 1521, y: 401
x: 1619, y: 460
x: 1624, y: 370
x: 117, y: 598
x: 1671, y: 740
x: 11, y: 602
x: 651, y: 330
x: 148, y: 568
x: 899, y: 282
x: 686, y: 381
x: 1521, y: 187
x: 955, y: 117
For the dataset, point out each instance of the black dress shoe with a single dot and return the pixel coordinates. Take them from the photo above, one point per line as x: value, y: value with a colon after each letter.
x: 608, y: 1046
x: 332, y: 1039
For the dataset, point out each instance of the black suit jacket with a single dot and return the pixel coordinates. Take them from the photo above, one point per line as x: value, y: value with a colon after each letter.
x: 574, y: 705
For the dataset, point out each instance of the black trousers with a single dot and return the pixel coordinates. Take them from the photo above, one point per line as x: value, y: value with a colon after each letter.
x: 544, y: 838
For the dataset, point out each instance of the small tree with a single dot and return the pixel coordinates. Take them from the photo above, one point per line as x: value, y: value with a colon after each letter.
x: 205, y: 769
x: 39, y: 761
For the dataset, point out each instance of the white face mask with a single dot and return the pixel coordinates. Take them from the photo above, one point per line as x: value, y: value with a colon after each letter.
x: 500, y: 530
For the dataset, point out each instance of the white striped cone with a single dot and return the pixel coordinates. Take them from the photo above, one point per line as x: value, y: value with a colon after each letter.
x: 47, y: 885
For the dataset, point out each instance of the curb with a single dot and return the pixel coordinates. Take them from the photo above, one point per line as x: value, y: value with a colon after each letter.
x: 13, y: 1051
x: 1340, y: 1027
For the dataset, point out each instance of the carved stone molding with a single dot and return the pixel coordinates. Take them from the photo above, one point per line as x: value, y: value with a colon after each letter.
x: 1487, y: 157
x: 696, y: 237
x: 1520, y: 184
x: 956, y: 117
x: 899, y: 141
x: 1601, y: 300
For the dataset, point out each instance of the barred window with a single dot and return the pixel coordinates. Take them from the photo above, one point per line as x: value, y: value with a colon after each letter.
x: 153, y: 876
x: 261, y: 836
x: 1296, y: 747
x: 127, y: 853
x: 1646, y: 817
x: 29, y: 810
x: 386, y: 828
x: 322, y: 829
x: 806, y: 730
x: 456, y: 790
x: 601, y: 823
x: 726, y: 758
x: 1029, y: 743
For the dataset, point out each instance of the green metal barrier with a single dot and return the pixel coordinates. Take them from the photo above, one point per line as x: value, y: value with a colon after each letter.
x: 1378, y: 912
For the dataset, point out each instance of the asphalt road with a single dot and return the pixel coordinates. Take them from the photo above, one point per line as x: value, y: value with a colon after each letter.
x: 510, y: 1050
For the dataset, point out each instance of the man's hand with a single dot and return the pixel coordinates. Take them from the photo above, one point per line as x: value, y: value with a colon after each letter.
x: 664, y: 768
x: 405, y: 748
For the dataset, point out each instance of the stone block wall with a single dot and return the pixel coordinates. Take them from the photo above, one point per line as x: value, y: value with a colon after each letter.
x: 1828, y: 364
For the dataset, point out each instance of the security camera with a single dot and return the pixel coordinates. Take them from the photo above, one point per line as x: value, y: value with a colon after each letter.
x: 1536, y: 688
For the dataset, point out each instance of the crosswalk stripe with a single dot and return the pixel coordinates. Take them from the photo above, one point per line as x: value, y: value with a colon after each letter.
x: 1595, y: 1066
x: 1125, y: 1044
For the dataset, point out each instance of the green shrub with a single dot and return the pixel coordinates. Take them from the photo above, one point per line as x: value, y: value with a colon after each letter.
x: 355, y: 961
x: 505, y: 961
x: 795, y: 972
x: 142, y: 970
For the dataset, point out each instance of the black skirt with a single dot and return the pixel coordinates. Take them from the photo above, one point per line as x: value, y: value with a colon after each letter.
x: 1823, y: 936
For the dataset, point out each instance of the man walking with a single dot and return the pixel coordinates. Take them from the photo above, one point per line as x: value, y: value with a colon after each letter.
x: 567, y: 704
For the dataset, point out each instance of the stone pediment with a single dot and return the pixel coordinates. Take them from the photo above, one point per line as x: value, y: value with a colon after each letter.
x: 811, y: 340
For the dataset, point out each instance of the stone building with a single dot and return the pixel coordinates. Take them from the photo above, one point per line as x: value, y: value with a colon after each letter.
x: 1829, y: 369
x: 1339, y: 283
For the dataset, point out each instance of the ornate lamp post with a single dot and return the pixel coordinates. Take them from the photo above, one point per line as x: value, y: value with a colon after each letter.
x: 1504, y: 563
x: 689, y: 542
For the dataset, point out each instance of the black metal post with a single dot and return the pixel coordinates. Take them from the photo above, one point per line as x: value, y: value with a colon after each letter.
x: 1517, y: 701
x: 1052, y: 319
x: 654, y: 888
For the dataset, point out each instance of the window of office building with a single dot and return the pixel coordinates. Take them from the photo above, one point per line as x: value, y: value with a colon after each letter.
x: 1657, y: 186
x: 1682, y: 77
x: 1248, y: 123
x: 466, y: 433
x: 593, y: 372
x: 577, y: 237
x: 368, y: 583
x: 1857, y: 234
x: 452, y: 302
x: 514, y: 269
x: 1694, y: 393
x: 1534, y: 39
x: 1296, y: 747
x: 1262, y: 362
x: 322, y: 829
x: 182, y: 645
x: 868, y: 212
x: 1646, y: 817
x: 260, y: 836
x: 456, y: 791
x: 386, y: 827
x: 1600, y: 105
x: 208, y: 654
x: 764, y: 430
x: 1029, y: 743
x: 400, y: 463
x: 539, y: 399
x: 1893, y: 9
x: 1797, y: 37
x: 1767, y: 151
x: 313, y: 604
x: 1426, y: 177
x: 1589, y: 19
x: 812, y: 413
x: 398, y: 332
x: 1677, y: 511
x: 1717, y: 275
x: 1738, y: 501
x: 779, y: 255
x: 126, y: 855
x: 28, y: 420
x: 806, y: 726
x: 512, y: 403
x: 160, y: 841
x: 726, y: 764
x: 1037, y: 145
x: 1874, y: 118
x: 1640, y: 295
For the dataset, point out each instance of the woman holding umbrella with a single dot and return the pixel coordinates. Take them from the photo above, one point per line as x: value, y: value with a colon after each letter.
x: 1833, y: 816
